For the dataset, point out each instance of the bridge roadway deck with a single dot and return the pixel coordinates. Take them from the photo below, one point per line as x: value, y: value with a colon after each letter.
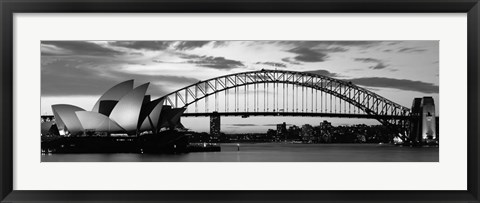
x: 297, y: 114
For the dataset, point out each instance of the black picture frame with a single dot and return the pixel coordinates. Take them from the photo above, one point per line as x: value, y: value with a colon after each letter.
x: 10, y: 7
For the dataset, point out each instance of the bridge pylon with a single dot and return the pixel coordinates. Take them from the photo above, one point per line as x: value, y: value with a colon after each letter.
x: 423, y: 122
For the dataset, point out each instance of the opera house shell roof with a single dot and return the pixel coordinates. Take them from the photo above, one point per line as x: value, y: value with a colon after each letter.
x: 122, y: 109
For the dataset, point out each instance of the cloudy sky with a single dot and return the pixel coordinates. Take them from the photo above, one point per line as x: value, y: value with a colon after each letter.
x: 78, y: 72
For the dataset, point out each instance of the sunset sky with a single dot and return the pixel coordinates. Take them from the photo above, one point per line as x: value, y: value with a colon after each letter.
x: 78, y: 72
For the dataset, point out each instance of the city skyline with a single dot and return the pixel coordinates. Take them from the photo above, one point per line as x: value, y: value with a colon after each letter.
x: 77, y: 72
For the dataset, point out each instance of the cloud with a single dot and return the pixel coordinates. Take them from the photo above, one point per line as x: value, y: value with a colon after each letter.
x: 145, y: 45
x: 324, y: 73
x: 379, y: 63
x: 52, y: 48
x: 333, y: 49
x: 70, y: 77
x: 401, y: 84
x: 242, y: 124
x: 163, y: 45
x: 356, y: 43
x: 379, y: 66
x: 290, y: 61
x: 188, y: 45
x: 205, y: 61
x: 272, y: 124
x: 188, y: 56
x: 135, y: 54
x: 368, y: 60
x: 212, y: 62
x: 308, y: 55
x: 411, y: 50
x: 218, y: 63
x: 220, y: 43
x: 343, y: 44
x: 163, y: 79
x: 61, y: 76
x: 275, y: 64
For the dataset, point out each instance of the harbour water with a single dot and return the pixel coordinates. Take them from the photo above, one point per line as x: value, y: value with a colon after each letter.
x: 271, y: 152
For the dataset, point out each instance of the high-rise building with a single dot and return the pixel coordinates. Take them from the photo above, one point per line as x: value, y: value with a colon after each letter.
x: 215, y: 124
x: 281, y: 131
x: 325, y: 134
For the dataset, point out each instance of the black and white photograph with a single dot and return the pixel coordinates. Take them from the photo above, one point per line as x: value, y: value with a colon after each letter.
x: 240, y: 101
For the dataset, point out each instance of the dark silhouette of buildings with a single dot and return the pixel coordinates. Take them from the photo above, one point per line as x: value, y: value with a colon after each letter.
x: 215, y: 124
x: 308, y: 134
x: 281, y: 132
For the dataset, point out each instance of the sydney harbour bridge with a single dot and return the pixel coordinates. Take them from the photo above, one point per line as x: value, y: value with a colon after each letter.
x: 299, y: 94
x: 288, y: 93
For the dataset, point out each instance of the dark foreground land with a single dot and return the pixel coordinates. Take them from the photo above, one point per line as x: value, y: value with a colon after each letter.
x: 165, y: 143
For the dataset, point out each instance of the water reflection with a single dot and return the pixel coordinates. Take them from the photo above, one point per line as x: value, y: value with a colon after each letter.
x: 272, y: 152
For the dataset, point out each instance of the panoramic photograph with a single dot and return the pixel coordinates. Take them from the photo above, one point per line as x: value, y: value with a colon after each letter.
x: 240, y: 101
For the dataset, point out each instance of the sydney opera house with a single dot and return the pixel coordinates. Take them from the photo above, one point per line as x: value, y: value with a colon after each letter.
x: 122, y: 110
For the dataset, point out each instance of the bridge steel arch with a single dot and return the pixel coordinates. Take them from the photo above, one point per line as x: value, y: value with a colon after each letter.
x: 369, y: 102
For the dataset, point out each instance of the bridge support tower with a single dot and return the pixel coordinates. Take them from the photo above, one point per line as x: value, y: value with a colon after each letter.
x: 423, y: 129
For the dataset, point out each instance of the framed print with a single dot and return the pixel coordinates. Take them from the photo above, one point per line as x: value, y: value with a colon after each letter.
x: 260, y: 101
